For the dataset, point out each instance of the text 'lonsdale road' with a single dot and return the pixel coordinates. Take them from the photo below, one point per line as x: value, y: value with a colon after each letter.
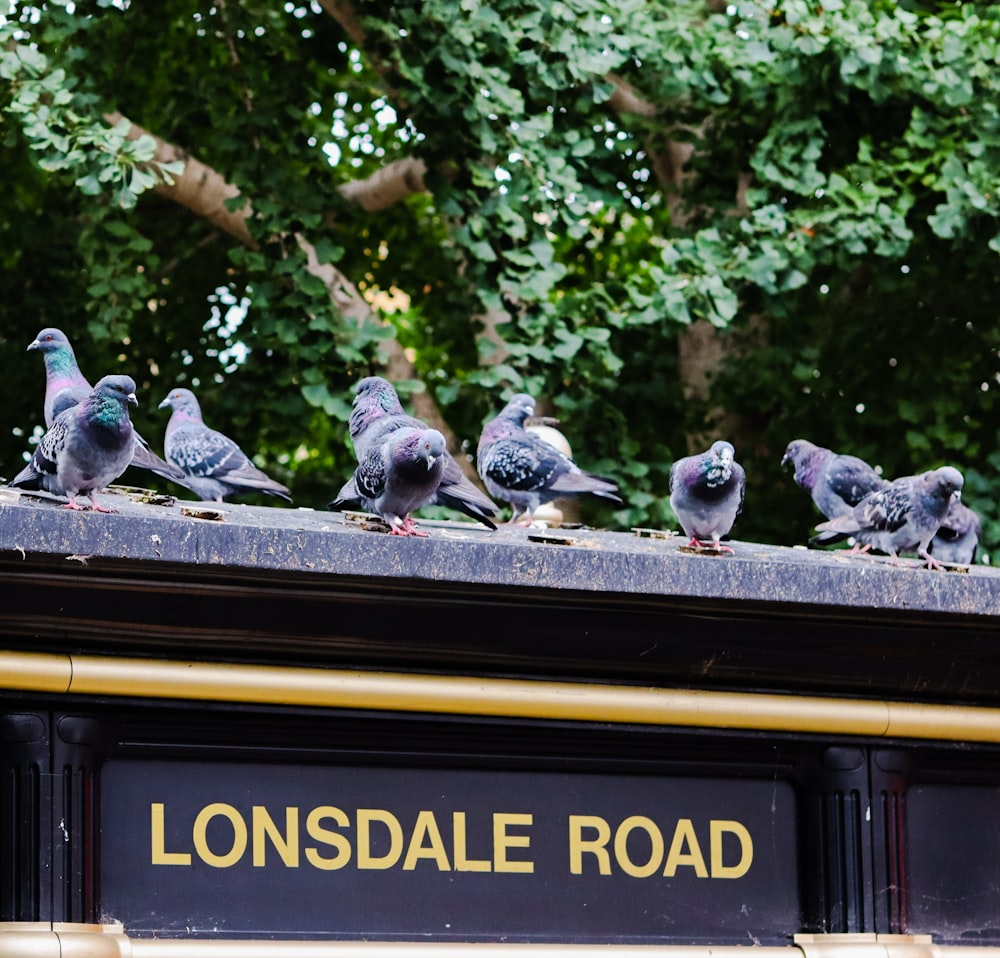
x: 327, y: 839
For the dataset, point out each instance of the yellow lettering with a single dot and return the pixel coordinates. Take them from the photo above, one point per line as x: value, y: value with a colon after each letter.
x: 239, y: 835
x: 159, y: 855
x: 287, y: 845
x: 596, y: 846
x: 684, y: 835
x: 718, y: 829
x: 502, y: 842
x: 426, y: 826
x: 328, y: 837
x: 365, y: 857
x: 621, y: 846
x: 462, y: 863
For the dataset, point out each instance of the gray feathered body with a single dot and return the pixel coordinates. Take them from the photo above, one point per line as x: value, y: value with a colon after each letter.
x: 904, y: 516
x: 401, y: 474
x: 376, y: 414
x: 957, y: 539
x: 521, y: 468
x: 88, y: 446
x: 836, y: 482
x: 214, y: 466
x: 706, y: 493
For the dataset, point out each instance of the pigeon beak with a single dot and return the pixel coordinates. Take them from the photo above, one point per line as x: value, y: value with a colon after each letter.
x: 164, y: 404
x: 784, y: 459
x: 34, y: 344
x: 430, y: 462
x: 131, y: 398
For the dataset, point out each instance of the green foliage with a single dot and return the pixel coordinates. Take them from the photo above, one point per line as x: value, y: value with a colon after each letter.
x: 838, y: 223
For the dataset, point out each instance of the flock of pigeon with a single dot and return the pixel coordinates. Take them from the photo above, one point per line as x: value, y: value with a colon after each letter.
x: 922, y: 513
x: 404, y: 465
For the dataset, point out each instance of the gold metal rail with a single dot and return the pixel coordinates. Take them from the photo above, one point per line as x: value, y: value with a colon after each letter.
x: 45, y: 940
x: 468, y: 695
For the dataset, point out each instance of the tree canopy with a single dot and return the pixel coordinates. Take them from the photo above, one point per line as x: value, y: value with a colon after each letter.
x: 672, y: 221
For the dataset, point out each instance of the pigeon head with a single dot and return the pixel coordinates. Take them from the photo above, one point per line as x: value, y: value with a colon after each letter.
x: 60, y: 362
x: 49, y: 340
x: 944, y: 482
x: 374, y: 399
x: 376, y: 392
x: 182, y: 401
x: 797, y: 450
x: 430, y: 447
x: 509, y: 422
x: 121, y: 388
x: 111, y: 397
x: 518, y: 408
x: 720, y: 462
x: 807, y: 458
x: 723, y: 450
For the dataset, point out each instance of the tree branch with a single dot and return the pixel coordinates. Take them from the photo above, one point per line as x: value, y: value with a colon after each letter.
x: 387, y: 186
x: 625, y: 99
x: 343, y: 13
x: 199, y: 188
x: 203, y: 191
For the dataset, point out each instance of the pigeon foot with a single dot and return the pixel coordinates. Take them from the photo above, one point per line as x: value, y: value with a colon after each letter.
x: 703, y: 545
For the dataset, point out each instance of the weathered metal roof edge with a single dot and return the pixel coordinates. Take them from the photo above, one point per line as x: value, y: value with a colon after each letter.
x: 260, y: 540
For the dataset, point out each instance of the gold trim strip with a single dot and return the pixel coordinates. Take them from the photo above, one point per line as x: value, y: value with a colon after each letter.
x: 514, y: 698
x: 44, y: 940
x: 67, y: 940
x: 147, y: 948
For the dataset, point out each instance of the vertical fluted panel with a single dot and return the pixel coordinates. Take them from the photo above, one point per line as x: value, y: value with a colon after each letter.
x: 890, y: 780
x: 836, y: 843
x: 843, y: 832
x: 77, y: 757
x: 25, y: 880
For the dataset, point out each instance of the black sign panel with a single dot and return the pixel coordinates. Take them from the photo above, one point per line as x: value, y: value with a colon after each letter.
x: 954, y: 862
x: 278, y: 851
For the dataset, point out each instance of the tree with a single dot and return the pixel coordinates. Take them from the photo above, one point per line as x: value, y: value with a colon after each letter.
x: 267, y: 201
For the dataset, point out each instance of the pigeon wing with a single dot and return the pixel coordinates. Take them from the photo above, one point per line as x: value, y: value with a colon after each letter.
x: 145, y: 458
x: 65, y: 398
x: 370, y: 475
x: 44, y: 459
x: 852, y: 479
x: 739, y: 473
x: 887, y: 510
x: 204, y: 453
x: 520, y: 465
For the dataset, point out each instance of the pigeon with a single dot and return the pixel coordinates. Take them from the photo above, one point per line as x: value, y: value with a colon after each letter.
x: 904, y: 516
x: 88, y: 445
x: 706, y: 494
x: 376, y: 413
x: 957, y: 539
x: 212, y: 464
x: 837, y: 483
x: 400, y: 474
x: 524, y: 470
x: 65, y: 386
